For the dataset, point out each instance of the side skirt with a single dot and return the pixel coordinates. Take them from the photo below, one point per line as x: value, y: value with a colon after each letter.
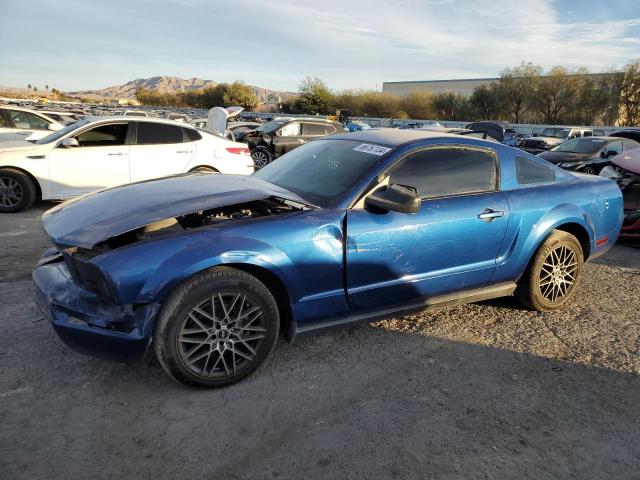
x: 430, y: 304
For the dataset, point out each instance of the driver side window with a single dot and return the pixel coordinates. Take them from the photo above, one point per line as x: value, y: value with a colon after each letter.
x: 614, y: 148
x: 114, y: 134
x: 444, y: 172
x: 290, y: 130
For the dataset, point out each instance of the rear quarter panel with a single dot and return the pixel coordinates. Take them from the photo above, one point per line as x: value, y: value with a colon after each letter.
x: 594, y: 203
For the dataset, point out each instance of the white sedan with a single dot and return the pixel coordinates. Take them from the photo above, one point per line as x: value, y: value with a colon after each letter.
x: 96, y: 153
x: 18, y: 123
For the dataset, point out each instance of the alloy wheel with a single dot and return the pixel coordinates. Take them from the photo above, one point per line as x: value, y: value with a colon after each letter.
x: 260, y: 159
x: 221, y: 335
x: 11, y: 192
x: 558, y: 273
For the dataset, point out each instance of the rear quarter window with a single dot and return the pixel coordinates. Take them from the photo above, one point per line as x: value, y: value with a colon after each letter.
x: 529, y: 171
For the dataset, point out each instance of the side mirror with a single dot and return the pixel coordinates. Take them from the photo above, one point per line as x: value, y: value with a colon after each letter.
x: 54, y: 127
x: 396, y: 198
x: 70, y: 142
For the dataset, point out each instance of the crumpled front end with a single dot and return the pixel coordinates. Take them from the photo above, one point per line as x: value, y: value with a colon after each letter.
x: 89, y: 323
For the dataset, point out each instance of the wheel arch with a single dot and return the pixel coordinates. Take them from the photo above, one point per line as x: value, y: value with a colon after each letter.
x: 35, y: 181
x: 204, y: 167
x: 275, y: 285
x: 578, y: 231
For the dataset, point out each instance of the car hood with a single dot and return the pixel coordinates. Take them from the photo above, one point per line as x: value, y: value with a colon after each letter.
x: 564, y: 157
x: 17, y: 146
x: 93, y: 218
x: 628, y: 160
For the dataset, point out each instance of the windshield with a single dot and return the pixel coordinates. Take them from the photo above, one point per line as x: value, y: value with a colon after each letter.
x: 555, y: 132
x: 580, y: 145
x: 323, y: 170
x: 270, y: 126
x: 52, y: 137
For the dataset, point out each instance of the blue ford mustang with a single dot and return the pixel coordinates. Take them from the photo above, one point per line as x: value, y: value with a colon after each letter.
x: 208, y: 269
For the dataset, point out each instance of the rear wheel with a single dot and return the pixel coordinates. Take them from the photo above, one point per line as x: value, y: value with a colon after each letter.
x: 17, y: 190
x: 216, y: 328
x: 590, y: 170
x: 261, y: 156
x: 554, y: 274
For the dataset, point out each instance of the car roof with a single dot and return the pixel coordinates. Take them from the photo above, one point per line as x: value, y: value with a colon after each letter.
x: 392, y: 137
x: 111, y: 118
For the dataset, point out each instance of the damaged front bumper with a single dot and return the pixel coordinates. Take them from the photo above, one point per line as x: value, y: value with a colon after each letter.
x: 89, y: 324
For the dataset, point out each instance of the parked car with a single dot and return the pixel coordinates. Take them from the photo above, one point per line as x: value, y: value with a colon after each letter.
x: 275, y: 138
x: 135, y: 113
x: 208, y: 269
x: 589, y: 154
x: 551, y: 136
x: 22, y: 123
x: 629, y: 133
x: 357, y: 126
x: 62, y: 117
x: 107, y: 151
x: 495, y: 130
x: 625, y: 170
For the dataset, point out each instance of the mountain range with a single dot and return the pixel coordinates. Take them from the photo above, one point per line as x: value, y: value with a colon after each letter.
x: 163, y: 84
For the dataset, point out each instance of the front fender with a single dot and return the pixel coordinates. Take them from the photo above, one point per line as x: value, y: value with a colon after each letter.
x: 201, y: 256
x: 168, y: 262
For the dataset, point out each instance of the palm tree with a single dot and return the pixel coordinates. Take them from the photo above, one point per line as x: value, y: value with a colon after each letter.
x: 29, y: 87
x: 35, y: 90
x: 46, y: 87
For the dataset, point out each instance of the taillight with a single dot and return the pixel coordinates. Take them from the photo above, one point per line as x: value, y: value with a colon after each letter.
x: 238, y: 150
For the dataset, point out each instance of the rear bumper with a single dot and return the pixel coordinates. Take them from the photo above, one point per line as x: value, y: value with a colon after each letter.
x: 88, y: 324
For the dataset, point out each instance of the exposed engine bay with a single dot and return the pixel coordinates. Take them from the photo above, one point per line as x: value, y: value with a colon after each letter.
x: 202, y: 219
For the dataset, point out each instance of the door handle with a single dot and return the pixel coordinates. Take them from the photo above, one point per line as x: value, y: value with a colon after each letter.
x: 489, y: 215
x: 183, y: 151
x: 119, y: 154
x: 23, y: 133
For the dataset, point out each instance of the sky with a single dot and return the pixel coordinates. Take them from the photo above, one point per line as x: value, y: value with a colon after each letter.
x: 89, y: 44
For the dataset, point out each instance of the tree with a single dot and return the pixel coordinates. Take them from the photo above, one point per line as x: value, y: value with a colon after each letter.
x: 46, y: 87
x: 315, y: 97
x: 418, y: 105
x: 516, y: 88
x: 451, y: 106
x: 241, y: 95
x: 630, y: 95
x: 485, y: 102
x: 380, y: 104
x: 29, y: 88
x: 557, y: 93
x: 35, y: 90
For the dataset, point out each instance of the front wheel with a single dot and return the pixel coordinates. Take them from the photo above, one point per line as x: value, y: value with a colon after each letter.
x: 17, y: 191
x: 216, y: 328
x: 553, y: 275
x: 590, y: 170
x: 261, y: 157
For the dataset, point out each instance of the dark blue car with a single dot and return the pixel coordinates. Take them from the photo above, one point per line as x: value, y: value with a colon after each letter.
x: 209, y: 269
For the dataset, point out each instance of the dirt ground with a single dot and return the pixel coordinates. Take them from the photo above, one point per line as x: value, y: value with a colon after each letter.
x: 484, y: 391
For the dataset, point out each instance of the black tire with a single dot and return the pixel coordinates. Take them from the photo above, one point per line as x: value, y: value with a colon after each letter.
x: 589, y: 170
x: 261, y: 156
x: 17, y: 190
x: 197, y: 349
x: 554, y: 274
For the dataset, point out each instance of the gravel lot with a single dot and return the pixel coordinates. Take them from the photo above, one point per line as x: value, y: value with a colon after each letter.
x: 484, y: 391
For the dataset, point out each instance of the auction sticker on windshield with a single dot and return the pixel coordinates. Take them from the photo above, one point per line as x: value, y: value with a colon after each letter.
x: 372, y: 149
